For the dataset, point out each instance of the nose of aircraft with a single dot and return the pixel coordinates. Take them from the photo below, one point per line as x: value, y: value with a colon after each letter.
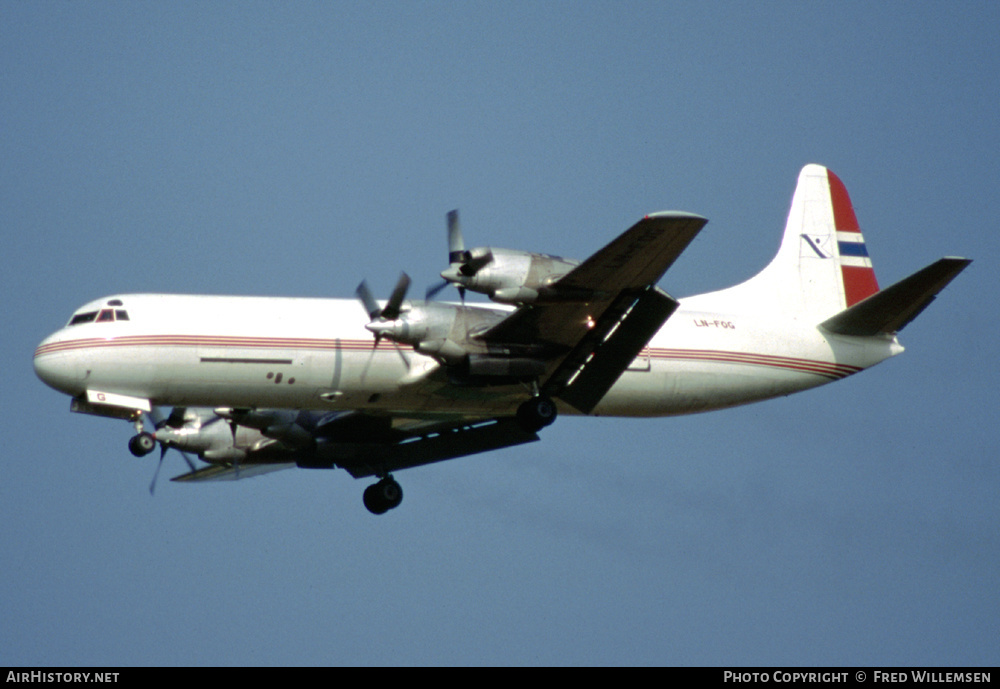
x: 60, y: 368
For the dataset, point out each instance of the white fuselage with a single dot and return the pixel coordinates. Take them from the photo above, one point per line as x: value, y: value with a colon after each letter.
x: 257, y: 352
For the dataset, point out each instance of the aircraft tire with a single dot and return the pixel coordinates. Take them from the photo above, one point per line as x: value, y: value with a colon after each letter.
x: 142, y: 444
x: 537, y: 413
x: 383, y: 496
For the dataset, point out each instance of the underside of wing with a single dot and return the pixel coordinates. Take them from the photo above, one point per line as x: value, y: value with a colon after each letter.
x: 410, y: 445
x: 367, y: 444
x: 228, y: 472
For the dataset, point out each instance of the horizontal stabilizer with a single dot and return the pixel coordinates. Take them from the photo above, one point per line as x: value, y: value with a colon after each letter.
x: 891, y: 309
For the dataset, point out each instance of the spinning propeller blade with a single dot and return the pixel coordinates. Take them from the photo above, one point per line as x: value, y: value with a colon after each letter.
x: 462, y: 263
x: 456, y: 245
x: 174, y: 420
x: 392, y: 307
x: 391, y: 312
x: 367, y: 300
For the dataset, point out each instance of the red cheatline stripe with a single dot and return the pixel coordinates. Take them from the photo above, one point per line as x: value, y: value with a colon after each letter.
x: 210, y: 341
x: 830, y: 370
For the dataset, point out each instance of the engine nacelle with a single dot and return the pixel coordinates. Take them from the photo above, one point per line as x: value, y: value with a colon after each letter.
x: 259, y: 419
x: 290, y: 434
x: 212, y: 439
x: 515, y: 295
x: 508, y: 276
x: 444, y: 349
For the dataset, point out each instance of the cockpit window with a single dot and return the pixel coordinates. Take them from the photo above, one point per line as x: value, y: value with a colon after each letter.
x: 102, y: 316
x: 83, y: 318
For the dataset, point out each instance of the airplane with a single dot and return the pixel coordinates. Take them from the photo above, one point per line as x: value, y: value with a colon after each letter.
x: 258, y: 384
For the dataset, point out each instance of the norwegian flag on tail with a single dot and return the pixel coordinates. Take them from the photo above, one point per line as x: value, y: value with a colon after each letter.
x: 855, y: 265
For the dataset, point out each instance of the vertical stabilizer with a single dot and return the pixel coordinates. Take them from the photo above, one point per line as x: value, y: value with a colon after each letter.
x: 822, y: 265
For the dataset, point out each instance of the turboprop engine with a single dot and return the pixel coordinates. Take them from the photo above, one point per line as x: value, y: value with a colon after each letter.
x: 210, y: 437
x: 507, y: 276
x: 227, y: 435
x: 447, y: 332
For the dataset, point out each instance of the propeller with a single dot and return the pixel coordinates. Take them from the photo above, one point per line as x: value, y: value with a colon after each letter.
x: 456, y: 245
x: 233, y: 426
x: 433, y: 290
x: 174, y: 420
x: 152, y: 485
x: 382, y: 320
x: 392, y: 307
x: 462, y: 264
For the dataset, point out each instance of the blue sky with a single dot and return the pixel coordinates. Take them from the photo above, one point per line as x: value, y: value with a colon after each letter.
x: 293, y: 149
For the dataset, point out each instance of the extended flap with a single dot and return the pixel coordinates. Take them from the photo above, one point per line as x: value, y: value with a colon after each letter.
x: 597, y: 362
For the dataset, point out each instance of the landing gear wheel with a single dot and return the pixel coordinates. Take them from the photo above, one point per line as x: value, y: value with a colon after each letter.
x: 537, y: 413
x: 383, y: 496
x: 142, y: 444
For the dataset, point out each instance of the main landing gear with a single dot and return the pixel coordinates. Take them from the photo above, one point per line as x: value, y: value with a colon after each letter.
x: 533, y: 415
x: 536, y: 413
x: 383, y: 496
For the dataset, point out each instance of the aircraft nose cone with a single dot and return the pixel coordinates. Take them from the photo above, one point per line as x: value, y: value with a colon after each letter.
x: 61, y: 370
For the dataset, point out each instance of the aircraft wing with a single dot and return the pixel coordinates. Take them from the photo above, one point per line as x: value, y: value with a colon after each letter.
x: 412, y: 443
x: 603, y: 312
x: 368, y: 444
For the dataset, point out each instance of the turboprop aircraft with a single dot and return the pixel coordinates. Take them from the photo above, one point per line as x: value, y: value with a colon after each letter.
x: 258, y: 384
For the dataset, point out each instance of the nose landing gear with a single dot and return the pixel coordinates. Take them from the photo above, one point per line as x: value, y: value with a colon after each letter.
x: 383, y: 496
x: 142, y: 444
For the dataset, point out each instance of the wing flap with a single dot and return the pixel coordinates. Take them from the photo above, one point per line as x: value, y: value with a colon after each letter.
x: 372, y: 458
x: 600, y: 315
x: 595, y: 364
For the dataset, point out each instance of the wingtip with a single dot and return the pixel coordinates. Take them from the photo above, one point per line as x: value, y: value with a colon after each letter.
x: 675, y: 215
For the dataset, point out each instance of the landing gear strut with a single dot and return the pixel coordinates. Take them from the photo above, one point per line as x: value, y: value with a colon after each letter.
x: 536, y: 413
x: 383, y: 496
x: 142, y: 444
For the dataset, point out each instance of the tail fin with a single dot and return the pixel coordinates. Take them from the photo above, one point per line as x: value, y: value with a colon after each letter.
x: 822, y: 265
x: 823, y: 251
